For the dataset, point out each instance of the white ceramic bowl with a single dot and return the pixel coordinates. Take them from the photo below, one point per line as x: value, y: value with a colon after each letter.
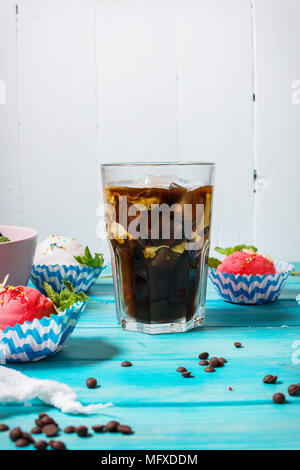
x: 16, y: 256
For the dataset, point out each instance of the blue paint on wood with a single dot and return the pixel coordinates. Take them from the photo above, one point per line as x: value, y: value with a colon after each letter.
x: 165, y: 410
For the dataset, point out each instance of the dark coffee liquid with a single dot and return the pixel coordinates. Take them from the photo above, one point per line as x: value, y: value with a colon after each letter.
x: 159, y: 278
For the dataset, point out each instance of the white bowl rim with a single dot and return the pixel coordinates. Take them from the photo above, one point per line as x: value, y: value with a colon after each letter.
x: 32, y: 233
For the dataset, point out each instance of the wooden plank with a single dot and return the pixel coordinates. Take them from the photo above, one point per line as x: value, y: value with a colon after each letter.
x: 58, y: 117
x: 11, y: 204
x: 277, y: 127
x: 136, y: 57
x: 215, y: 106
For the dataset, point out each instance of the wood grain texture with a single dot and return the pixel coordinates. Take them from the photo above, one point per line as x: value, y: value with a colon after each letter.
x: 277, y: 126
x: 10, y: 193
x: 58, y: 116
x: 165, y: 410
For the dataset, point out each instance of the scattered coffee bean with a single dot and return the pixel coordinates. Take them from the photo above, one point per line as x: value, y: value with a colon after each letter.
x: 203, y: 355
x: 112, y: 426
x: 214, y: 362
x: 124, y: 429
x: 209, y: 369
x: 57, y: 445
x: 270, y: 379
x: 3, y: 427
x: 39, y: 423
x: 69, y: 429
x: 298, y: 385
x: 99, y: 428
x: 36, y: 430
x: 222, y: 359
x: 41, y: 445
x: 126, y: 364
x: 81, y: 431
x: 186, y: 373
x: 293, y: 390
x: 91, y: 382
x: 238, y: 344
x: 46, y: 420
x: 28, y: 436
x: 21, y: 442
x: 203, y: 363
x: 50, y: 430
x: 41, y: 415
x: 278, y: 398
x: 180, y: 369
x: 15, y: 433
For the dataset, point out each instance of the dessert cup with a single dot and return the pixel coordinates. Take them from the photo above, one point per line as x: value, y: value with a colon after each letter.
x: 251, y: 289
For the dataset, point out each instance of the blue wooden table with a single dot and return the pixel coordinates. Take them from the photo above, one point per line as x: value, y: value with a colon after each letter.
x: 166, y: 410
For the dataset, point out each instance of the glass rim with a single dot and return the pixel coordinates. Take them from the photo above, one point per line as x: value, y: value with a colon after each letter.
x: 179, y: 163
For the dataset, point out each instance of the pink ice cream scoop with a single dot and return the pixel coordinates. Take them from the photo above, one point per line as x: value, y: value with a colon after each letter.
x: 22, y: 303
x: 241, y: 262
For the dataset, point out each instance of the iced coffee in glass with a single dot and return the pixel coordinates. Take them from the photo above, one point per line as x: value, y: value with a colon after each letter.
x: 158, y: 219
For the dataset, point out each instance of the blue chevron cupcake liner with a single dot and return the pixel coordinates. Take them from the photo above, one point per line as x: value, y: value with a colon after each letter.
x: 82, y: 277
x: 250, y: 289
x: 38, y: 339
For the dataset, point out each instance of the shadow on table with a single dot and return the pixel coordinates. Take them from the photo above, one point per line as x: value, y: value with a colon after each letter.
x: 87, y: 349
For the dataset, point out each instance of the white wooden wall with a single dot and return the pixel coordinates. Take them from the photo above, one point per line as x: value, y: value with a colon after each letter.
x: 101, y: 80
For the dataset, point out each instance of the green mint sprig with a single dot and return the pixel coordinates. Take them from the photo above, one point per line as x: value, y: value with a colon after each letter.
x: 89, y: 260
x: 66, y: 297
x: 229, y: 251
x: 4, y: 239
x: 213, y: 263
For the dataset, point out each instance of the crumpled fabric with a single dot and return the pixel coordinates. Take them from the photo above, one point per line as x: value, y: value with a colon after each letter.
x: 17, y: 387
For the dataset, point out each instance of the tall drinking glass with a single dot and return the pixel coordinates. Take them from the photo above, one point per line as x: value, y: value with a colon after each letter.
x: 158, y: 218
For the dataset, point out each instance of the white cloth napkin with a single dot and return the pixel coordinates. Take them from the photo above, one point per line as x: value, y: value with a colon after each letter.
x: 15, y: 386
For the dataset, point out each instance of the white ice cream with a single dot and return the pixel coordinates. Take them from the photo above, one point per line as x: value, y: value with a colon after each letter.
x: 58, y: 250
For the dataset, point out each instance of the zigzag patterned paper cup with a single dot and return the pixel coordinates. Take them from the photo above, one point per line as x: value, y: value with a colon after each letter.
x: 38, y: 339
x: 250, y: 289
x: 82, y: 277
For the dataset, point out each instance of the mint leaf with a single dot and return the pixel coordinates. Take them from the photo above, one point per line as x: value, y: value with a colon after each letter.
x: 214, y: 262
x: 4, y: 239
x: 89, y: 260
x: 66, y: 297
x: 229, y: 251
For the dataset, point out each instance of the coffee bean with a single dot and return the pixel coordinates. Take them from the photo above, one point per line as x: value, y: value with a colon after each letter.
x: 293, y: 390
x: 209, y: 369
x: 238, y: 344
x: 203, y: 355
x: 36, y: 430
x: 298, y: 385
x: 278, y: 398
x: 81, y: 431
x: 46, y: 420
x: 26, y: 435
x: 222, y: 359
x: 40, y: 445
x: 214, y: 362
x: 270, y: 379
x: 99, y: 428
x: 21, y: 442
x: 186, y: 374
x: 124, y: 429
x: 41, y: 415
x: 57, y: 445
x: 126, y: 364
x: 112, y: 426
x: 39, y: 423
x: 91, y: 382
x: 50, y: 430
x: 180, y: 369
x: 3, y: 427
x: 69, y: 429
x: 15, y: 433
x: 203, y: 363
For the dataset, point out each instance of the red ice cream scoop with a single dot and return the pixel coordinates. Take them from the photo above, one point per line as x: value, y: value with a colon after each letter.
x: 241, y: 262
x: 22, y: 303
